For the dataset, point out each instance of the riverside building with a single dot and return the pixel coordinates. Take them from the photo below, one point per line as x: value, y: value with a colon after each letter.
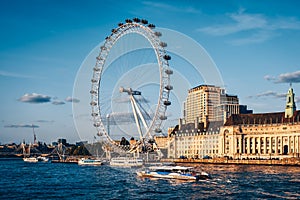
x: 241, y: 135
x: 262, y: 136
x: 202, y: 104
x: 197, y: 134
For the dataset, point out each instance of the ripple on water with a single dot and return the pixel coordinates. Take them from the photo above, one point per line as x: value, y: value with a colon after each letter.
x: 70, y: 181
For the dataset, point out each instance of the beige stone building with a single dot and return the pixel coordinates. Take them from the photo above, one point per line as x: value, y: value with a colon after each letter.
x: 262, y: 136
x: 193, y: 144
x: 197, y: 134
x: 203, y: 104
x: 243, y: 136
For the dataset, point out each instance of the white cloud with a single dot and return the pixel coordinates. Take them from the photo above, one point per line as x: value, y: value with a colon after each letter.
x: 290, y: 77
x: 57, y: 102
x: 45, y: 121
x: 293, y: 77
x: 35, y: 98
x: 290, y: 23
x: 241, y: 22
x: 269, y: 94
x: 258, y: 27
x: 272, y: 94
x: 258, y: 37
x: 21, y: 126
x: 269, y: 77
x: 71, y: 99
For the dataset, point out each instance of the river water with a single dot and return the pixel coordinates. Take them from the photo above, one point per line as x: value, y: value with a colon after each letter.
x: 69, y: 181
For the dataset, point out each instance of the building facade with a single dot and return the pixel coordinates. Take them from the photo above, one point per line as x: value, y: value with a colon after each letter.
x: 262, y: 136
x: 197, y: 134
x: 193, y: 145
x: 202, y: 104
x: 244, y: 135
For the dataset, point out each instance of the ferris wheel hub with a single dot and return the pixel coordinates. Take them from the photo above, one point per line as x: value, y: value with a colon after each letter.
x: 130, y: 91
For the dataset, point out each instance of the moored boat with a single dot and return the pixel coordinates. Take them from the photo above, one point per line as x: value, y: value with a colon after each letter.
x: 126, y: 162
x: 88, y: 161
x: 43, y: 159
x: 173, y: 172
x: 30, y: 159
x: 27, y: 156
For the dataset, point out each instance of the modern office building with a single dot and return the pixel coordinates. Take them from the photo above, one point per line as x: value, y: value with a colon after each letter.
x: 209, y: 103
x: 203, y: 103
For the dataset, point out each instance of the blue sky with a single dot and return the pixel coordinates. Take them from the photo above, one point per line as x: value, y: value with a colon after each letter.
x: 255, y: 45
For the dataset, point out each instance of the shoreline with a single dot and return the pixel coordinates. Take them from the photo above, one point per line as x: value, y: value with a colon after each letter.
x: 219, y: 161
x: 222, y: 161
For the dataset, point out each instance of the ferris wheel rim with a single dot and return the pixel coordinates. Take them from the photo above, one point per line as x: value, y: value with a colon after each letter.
x: 162, y: 60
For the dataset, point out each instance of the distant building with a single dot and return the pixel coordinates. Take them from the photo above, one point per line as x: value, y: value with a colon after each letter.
x: 80, y: 143
x: 244, y: 110
x: 54, y: 143
x: 229, y: 105
x: 209, y: 103
x: 266, y: 135
x: 62, y: 141
x: 202, y: 104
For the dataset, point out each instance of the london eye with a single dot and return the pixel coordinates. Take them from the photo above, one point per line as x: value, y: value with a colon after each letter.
x: 109, y: 109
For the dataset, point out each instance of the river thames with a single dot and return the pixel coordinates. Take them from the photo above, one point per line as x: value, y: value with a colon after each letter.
x: 69, y: 181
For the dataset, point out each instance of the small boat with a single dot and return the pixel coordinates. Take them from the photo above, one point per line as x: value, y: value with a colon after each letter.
x: 88, y: 161
x: 173, y: 172
x: 126, y: 162
x: 27, y: 157
x: 42, y: 159
x: 30, y: 159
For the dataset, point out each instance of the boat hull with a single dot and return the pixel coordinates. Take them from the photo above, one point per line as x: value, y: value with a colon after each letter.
x: 173, y: 172
x: 126, y: 162
x: 90, y: 162
x: 168, y: 176
x: 30, y: 159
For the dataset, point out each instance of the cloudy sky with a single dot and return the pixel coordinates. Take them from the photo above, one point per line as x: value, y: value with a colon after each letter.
x: 255, y: 45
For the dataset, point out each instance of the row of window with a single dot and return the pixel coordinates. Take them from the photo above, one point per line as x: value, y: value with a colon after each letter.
x: 190, y: 153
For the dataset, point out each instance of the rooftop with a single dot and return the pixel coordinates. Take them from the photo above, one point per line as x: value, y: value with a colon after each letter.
x: 262, y: 118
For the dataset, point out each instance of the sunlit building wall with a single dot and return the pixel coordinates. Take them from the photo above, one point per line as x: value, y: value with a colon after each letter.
x: 194, y: 145
x: 262, y: 136
x: 202, y: 104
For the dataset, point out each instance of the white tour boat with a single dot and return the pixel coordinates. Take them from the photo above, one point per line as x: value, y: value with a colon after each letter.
x: 27, y: 156
x: 173, y: 172
x: 88, y: 161
x: 30, y: 159
x: 127, y: 162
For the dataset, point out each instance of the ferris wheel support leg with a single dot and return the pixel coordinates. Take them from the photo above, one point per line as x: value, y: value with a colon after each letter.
x: 140, y: 113
x: 136, y: 118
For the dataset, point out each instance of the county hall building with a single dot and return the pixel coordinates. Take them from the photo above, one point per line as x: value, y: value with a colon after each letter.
x: 215, y: 125
x: 262, y: 136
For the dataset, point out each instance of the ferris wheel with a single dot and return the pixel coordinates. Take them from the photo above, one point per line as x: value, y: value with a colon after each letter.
x: 146, y: 128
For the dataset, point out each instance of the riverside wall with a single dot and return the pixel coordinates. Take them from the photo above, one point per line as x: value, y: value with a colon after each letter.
x: 283, y: 162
